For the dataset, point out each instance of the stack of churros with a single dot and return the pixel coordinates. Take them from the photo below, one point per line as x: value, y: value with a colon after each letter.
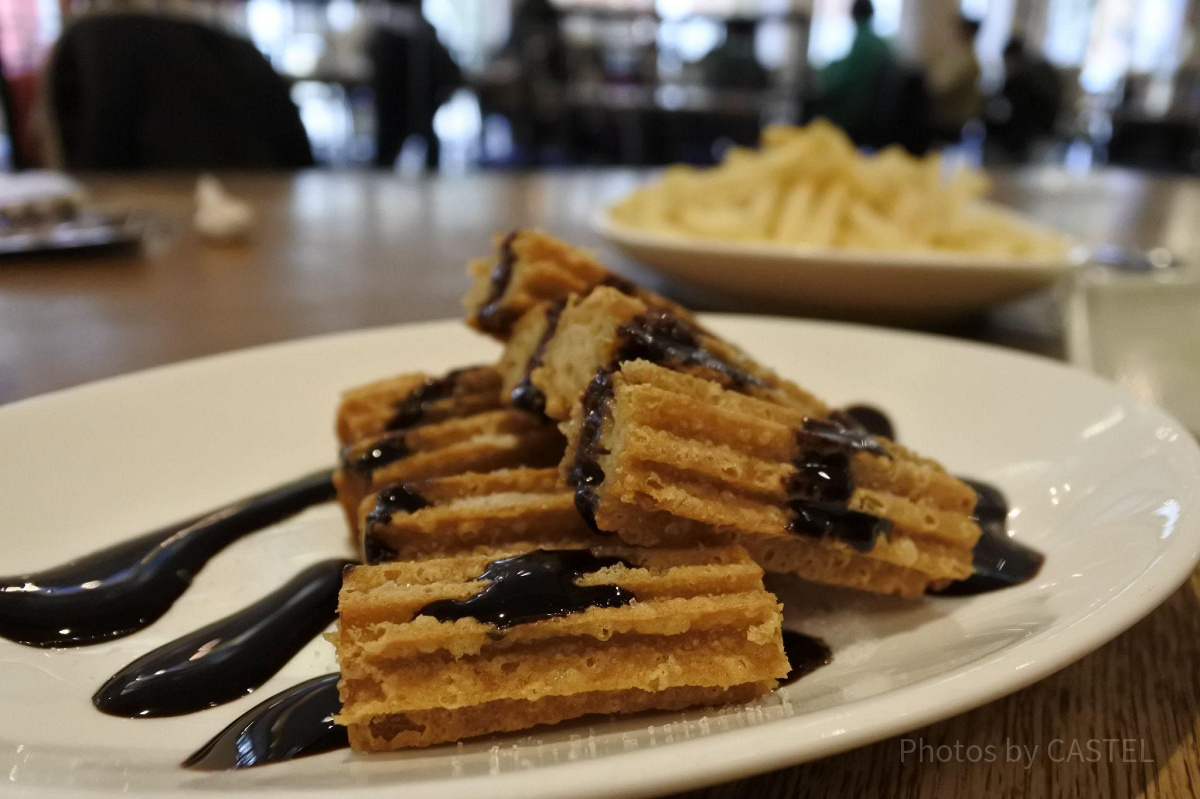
x: 583, y: 527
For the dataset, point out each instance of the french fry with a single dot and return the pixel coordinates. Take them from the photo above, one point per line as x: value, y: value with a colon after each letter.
x: 809, y: 187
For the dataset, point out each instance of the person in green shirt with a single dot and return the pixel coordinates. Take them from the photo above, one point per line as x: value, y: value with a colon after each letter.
x: 847, y: 89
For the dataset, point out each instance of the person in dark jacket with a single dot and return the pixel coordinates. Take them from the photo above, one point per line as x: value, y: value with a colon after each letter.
x: 412, y: 74
x: 1030, y: 101
x: 135, y: 91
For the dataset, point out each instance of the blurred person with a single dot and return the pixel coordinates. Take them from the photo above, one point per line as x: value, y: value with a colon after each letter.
x: 847, y: 89
x: 953, y: 82
x: 1029, y: 102
x: 537, y: 48
x: 8, y: 117
x: 412, y: 74
x: 733, y: 64
x: 141, y: 91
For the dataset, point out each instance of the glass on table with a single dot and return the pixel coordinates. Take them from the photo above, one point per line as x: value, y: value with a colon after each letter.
x: 1141, y: 330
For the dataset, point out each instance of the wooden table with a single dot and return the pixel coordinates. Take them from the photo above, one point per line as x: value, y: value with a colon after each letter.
x: 335, y: 251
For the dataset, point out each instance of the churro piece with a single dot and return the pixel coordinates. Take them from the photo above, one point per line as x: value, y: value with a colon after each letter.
x: 555, y: 353
x: 481, y: 442
x: 664, y: 458
x: 450, y: 648
x: 409, y: 400
x: 467, y: 512
x: 531, y: 268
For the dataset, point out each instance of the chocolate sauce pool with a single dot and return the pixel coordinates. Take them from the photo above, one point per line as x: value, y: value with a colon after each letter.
x: 124, y: 588
x: 805, y: 655
x: 291, y: 724
x: 998, y: 560
x: 231, y: 657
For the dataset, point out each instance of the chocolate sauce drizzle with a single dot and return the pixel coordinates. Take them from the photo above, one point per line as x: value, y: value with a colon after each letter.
x: 126, y: 587
x: 390, y: 500
x: 656, y: 336
x: 291, y: 724
x: 821, y: 485
x: 364, y: 459
x: 413, y: 408
x: 867, y: 418
x: 532, y: 587
x: 998, y: 560
x: 805, y: 655
x: 660, y: 337
x: 230, y: 657
x: 525, y: 395
x: 586, y: 475
x: 492, y: 317
x: 621, y: 284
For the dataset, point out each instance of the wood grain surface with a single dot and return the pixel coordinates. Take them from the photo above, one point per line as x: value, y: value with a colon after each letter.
x: 336, y: 251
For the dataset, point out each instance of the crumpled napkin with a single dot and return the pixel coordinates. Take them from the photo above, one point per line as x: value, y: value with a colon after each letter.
x: 219, y: 215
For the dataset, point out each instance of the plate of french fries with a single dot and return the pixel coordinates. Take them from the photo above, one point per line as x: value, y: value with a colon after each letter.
x: 808, y: 221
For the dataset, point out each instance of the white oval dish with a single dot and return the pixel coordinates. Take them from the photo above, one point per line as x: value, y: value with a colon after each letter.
x: 863, y: 284
x: 1105, y: 485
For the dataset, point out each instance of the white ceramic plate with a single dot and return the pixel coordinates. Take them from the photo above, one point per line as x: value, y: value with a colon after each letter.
x: 859, y: 284
x: 1106, y: 486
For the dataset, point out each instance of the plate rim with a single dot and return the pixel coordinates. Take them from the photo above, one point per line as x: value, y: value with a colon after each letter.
x: 766, y: 746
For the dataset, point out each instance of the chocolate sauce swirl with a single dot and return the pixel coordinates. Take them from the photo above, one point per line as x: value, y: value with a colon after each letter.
x: 492, y: 317
x: 532, y: 587
x: 291, y: 724
x: 229, y: 658
x: 124, y: 588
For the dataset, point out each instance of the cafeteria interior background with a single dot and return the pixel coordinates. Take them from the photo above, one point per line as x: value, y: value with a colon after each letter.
x: 459, y: 85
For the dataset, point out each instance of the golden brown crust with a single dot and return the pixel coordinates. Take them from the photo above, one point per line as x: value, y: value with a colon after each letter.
x: 542, y: 269
x: 440, y: 725
x: 684, y: 460
x: 367, y: 410
x: 699, y: 629
x: 482, y: 442
x: 506, y: 508
x: 592, y: 333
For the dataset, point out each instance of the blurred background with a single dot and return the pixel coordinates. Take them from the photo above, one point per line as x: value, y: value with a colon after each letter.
x: 361, y: 151
x: 461, y: 85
